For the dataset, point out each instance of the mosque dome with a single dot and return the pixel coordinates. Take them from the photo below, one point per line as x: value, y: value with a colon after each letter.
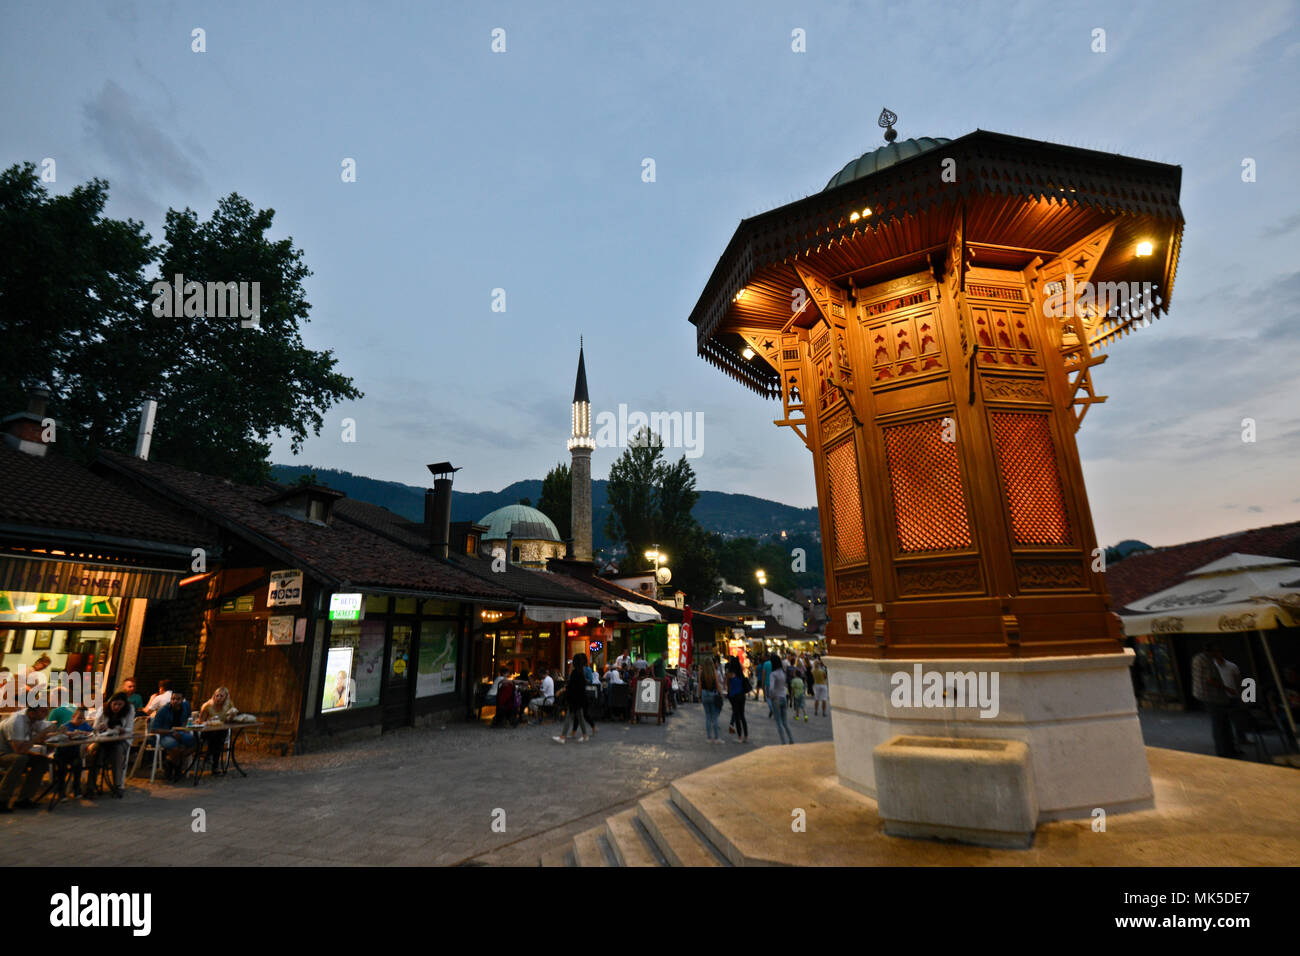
x: 877, y: 159
x: 528, y: 524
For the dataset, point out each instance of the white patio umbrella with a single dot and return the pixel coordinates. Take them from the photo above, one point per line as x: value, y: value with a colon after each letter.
x: 1242, y: 592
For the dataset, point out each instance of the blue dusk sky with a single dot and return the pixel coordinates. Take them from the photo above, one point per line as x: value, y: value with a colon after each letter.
x: 522, y: 171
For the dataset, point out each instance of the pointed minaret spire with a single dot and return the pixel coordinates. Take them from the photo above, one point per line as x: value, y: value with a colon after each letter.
x: 580, y: 447
x: 580, y: 386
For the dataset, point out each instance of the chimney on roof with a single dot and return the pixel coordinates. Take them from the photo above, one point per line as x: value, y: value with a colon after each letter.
x: 437, y: 508
x: 148, y: 411
x: 27, y: 430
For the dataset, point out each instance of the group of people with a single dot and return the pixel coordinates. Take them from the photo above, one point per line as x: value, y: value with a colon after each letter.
x: 108, y: 734
x: 784, y: 684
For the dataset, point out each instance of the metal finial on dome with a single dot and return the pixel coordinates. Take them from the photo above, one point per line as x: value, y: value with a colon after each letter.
x: 887, y: 119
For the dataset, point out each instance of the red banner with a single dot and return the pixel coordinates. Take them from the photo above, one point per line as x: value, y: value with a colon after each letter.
x: 688, y: 638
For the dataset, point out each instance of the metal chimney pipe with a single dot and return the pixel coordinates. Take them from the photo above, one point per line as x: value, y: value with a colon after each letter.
x: 439, y: 511
x: 148, y: 411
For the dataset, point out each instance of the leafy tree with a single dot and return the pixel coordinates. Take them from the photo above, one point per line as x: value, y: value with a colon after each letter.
x: 556, y: 500
x: 631, y: 494
x: 650, y: 503
x: 739, y: 559
x: 76, y: 311
x: 72, y: 286
x: 225, y: 389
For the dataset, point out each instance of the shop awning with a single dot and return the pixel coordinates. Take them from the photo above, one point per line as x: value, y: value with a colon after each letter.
x: 639, y: 612
x: 545, y: 614
x: 1241, y: 592
x: 74, y: 577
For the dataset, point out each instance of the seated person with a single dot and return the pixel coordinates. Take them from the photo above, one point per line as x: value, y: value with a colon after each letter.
x: 160, y: 699
x: 116, y: 719
x: 132, y: 696
x: 70, y: 760
x: 177, y: 742
x: 63, y: 711
x: 18, y: 735
x: 217, y: 707
x: 79, y: 722
x: 545, y: 696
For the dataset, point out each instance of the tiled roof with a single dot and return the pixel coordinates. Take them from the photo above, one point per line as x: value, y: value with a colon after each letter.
x: 51, y: 492
x: 1146, y: 572
x: 533, y: 586
x: 341, y: 552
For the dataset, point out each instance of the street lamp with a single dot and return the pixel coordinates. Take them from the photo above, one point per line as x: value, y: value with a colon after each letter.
x: 662, y: 574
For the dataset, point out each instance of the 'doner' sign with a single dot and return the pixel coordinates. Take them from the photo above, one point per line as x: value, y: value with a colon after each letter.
x: 286, y: 589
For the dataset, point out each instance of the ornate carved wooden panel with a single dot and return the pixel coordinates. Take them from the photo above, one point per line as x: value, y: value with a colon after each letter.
x: 1003, y: 336
x: 929, y: 506
x: 836, y: 422
x: 853, y: 587
x: 931, y: 581
x: 1051, y: 575
x: 1027, y: 463
x: 904, y: 345
x: 846, y: 504
x: 1014, y: 389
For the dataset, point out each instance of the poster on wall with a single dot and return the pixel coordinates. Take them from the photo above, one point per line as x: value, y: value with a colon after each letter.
x: 436, y: 669
x: 369, y: 671
x: 340, y: 689
x: 279, y: 629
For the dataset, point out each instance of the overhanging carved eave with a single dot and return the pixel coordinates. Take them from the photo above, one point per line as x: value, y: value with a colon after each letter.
x: 1072, y: 190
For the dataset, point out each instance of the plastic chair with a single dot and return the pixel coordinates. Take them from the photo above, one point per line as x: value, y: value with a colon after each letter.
x: 148, y: 742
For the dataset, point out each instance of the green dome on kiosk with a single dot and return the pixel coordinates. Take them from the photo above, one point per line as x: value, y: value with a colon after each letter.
x: 878, y: 159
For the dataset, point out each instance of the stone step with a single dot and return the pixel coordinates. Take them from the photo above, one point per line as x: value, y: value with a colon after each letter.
x: 557, y: 856
x: 589, y: 848
x: 680, y: 842
x: 625, y: 839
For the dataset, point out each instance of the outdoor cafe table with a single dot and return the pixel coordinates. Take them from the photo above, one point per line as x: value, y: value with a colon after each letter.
x: 232, y: 731
x: 56, y: 794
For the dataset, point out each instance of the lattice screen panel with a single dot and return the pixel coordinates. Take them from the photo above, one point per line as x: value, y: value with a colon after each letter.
x: 926, y: 481
x: 846, y: 504
x: 1027, y: 461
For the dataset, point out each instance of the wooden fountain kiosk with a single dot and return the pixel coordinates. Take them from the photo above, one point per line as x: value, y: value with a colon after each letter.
x: 930, y: 323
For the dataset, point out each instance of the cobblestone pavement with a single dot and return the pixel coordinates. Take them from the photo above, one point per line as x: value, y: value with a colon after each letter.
x: 414, y: 797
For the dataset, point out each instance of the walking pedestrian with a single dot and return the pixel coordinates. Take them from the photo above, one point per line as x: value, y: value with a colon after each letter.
x: 765, y: 674
x: 776, y: 695
x: 711, y: 698
x: 736, y: 692
x: 821, y: 690
x: 575, y: 696
x: 796, y: 694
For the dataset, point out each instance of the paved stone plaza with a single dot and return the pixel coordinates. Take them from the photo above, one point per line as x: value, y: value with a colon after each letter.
x: 415, y: 797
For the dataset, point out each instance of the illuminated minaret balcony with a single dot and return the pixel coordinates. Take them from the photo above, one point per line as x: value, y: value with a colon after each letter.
x: 581, y: 436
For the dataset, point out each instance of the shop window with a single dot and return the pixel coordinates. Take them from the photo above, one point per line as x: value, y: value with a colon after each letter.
x: 376, y: 604
x: 53, y: 637
x: 405, y: 606
x: 354, y: 668
x: 440, y: 608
